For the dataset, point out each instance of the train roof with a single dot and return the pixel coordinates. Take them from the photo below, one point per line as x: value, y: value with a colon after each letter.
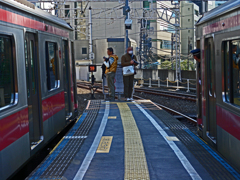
x: 220, y: 10
x: 37, y: 12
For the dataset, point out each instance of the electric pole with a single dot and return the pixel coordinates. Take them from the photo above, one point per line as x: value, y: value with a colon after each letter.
x: 127, y: 16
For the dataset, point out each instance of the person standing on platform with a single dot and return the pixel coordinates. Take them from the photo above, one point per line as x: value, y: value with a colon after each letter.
x: 128, y: 59
x: 111, y: 68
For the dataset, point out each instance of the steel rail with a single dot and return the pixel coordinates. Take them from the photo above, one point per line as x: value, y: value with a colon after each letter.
x: 170, y: 110
x: 178, y: 96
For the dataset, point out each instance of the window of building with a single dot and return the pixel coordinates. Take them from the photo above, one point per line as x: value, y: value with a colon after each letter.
x: 231, y: 55
x: 188, y: 9
x: 67, y: 14
x: 7, y: 71
x: 52, y: 65
x: 188, y: 20
x: 189, y: 31
x: 84, y: 50
x: 196, y: 12
x: 165, y: 44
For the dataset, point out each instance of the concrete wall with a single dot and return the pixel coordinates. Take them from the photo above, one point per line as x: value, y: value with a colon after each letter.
x: 100, y: 49
x: 78, y: 45
x: 118, y: 48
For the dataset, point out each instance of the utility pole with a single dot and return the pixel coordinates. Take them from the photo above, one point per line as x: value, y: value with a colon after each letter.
x: 140, y: 45
x: 90, y: 34
x: 172, y: 40
x: 188, y: 50
x: 127, y: 16
x: 177, y: 41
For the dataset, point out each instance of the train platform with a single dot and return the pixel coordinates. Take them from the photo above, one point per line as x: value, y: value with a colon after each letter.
x: 132, y: 141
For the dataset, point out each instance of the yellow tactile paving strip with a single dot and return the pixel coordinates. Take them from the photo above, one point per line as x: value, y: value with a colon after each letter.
x: 105, y: 144
x: 135, y: 161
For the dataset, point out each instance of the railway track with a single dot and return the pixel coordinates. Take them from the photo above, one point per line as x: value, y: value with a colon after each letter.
x: 188, y: 97
x: 81, y: 85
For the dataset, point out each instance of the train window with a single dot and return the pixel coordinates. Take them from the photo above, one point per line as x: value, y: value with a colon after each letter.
x: 7, y: 90
x: 235, y: 46
x: 232, y: 71
x: 51, y: 65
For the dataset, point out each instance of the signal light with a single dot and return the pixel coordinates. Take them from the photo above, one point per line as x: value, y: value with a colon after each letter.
x: 92, y: 68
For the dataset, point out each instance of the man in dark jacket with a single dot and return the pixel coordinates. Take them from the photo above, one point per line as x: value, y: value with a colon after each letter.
x: 127, y: 60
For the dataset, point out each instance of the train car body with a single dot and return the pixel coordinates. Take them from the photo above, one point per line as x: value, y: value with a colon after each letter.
x: 218, y: 89
x: 37, y: 82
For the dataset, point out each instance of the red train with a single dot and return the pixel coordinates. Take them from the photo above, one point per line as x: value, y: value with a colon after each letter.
x: 219, y: 91
x: 37, y: 82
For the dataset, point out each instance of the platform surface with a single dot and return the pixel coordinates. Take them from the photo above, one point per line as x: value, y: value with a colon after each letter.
x: 131, y: 140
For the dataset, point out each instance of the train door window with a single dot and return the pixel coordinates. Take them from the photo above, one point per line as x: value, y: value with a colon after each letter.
x: 235, y: 47
x: 26, y: 63
x: 51, y: 65
x: 226, y: 71
x: 33, y: 84
x: 7, y: 80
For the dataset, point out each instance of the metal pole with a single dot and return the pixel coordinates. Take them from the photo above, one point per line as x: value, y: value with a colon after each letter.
x: 177, y: 84
x: 90, y: 31
x: 177, y: 40
x: 150, y: 82
x: 188, y: 86
x: 167, y: 81
x: 140, y: 46
x: 126, y: 4
x: 188, y: 51
x: 172, y: 50
x: 158, y: 81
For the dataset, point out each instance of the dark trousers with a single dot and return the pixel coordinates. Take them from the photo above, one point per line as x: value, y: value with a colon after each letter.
x: 128, y: 85
x: 111, y: 87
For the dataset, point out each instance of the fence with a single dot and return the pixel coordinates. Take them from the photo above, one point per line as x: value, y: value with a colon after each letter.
x: 188, y: 84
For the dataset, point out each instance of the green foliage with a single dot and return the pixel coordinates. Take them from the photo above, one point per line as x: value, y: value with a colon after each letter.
x: 184, y: 65
x: 166, y: 65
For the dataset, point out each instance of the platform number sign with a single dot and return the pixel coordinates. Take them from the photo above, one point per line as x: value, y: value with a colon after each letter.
x: 92, y: 68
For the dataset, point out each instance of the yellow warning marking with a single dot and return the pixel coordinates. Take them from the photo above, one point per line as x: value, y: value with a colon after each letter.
x: 105, y: 144
x: 172, y: 138
x: 203, y: 140
x: 112, y: 117
x: 56, y: 145
x: 78, y: 118
x: 135, y: 160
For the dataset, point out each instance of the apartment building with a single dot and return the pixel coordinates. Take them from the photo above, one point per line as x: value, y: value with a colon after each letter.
x: 189, y: 17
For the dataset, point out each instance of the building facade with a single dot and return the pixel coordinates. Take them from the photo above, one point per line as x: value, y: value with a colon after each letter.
x: 189, y: 17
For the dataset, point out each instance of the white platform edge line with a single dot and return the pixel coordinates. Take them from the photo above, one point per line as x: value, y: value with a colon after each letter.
x: 186, y: 164
x: 88, y: 158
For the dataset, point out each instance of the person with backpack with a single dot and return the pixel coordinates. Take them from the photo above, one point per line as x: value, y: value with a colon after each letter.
x: 111, y: 68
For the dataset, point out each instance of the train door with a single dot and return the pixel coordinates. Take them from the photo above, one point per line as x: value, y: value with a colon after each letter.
x: 74, y: 76
x: 31, y: 61
x: 210, y: 90
x: 66, y: 77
